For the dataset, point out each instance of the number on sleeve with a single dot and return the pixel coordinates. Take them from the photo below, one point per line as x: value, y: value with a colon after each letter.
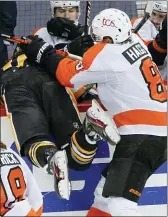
x: 152, y: 77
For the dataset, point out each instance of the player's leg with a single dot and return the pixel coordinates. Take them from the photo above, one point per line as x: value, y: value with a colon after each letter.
x: 100, y: 203
x: 66, y: 127
x: 22, y: 93
x: 119, y: 169
x: 135, y: 159
x: 80, y: 140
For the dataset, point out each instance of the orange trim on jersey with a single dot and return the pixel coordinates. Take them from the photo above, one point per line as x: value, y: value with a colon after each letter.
x: 97, y: 212
x: 146, y: 117
x: 39, y: 211
x: 147, y: 42
x: 67, y: 68
x: 36, y: 30
x: 159, y: 49
x: 31, y: 213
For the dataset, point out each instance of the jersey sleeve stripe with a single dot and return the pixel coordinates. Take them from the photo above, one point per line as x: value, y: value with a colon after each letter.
x: 159, y: 49
x: 144, y: 117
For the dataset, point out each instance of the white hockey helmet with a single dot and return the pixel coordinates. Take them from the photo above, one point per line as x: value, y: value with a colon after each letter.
x: 160, y: 6
x: 63, y: 4
x: 113, y: 23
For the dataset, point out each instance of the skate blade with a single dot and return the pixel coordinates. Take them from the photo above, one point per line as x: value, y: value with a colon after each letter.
x: 64, y: 185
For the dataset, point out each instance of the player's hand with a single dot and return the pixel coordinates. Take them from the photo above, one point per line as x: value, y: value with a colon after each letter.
x: 37, y: 50
x: 63, y: 27
x: 163, y: 31
x: 80, y: 45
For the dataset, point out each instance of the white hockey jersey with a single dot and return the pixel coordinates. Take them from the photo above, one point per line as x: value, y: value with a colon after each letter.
x: 148, y: 32
x: 19, y: 192
x: 129, y: 85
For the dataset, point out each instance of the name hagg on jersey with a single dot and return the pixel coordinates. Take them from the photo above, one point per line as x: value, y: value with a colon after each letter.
x: 134, y: 53
x: 8, y: 159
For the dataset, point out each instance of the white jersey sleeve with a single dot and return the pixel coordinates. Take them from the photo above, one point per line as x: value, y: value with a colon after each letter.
x: 148, y: 31
x: 20, y: 194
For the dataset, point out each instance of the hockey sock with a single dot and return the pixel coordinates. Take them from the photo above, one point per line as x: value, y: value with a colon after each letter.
x: 40, y: 151
x: 81, y: 151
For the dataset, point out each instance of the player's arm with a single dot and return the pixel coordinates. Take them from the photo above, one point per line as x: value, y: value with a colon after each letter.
x: 67, y: 71
x: 158, y: 47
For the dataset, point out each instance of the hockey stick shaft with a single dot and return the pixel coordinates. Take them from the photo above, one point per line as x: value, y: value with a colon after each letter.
x: 25, y: 41
x: 15, y: 39
x: 148, y: 12
x: 87, y: 17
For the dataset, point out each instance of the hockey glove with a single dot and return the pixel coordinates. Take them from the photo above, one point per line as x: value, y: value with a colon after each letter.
x: 41, y: 52
x: 80, y: 45
x: 163, y: 31
x: 37, y: 50
x: 64, y: 28
x: 159, y: 55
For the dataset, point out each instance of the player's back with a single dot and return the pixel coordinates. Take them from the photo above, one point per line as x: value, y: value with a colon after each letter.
x: 133, y: 90
x: 19, y: 193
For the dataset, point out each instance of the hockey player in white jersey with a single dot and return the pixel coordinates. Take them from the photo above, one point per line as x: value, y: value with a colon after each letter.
x: 131, y: 88
x: 151, y: 28
x: 63, y: 26
x: 61, y: 29
x: 19, y: 192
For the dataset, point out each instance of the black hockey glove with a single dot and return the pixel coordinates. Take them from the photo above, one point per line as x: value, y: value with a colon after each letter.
x: 161, y: 41
x: 41, y: 52
x: 63, y: 27
x: 80, y: 45
x: 161, y: 38
x: 37, y: 50
x: 163, y: 31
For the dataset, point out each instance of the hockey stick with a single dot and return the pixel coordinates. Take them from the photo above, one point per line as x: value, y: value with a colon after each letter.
x: 148, y: 12
x: 15, y: 39
x: 87, y: 17
x: 87, y: 88
x: 27, y: 41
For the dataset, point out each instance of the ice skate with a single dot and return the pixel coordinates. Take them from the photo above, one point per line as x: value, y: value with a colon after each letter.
x: 59, y: 166
x: 101, y: 123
